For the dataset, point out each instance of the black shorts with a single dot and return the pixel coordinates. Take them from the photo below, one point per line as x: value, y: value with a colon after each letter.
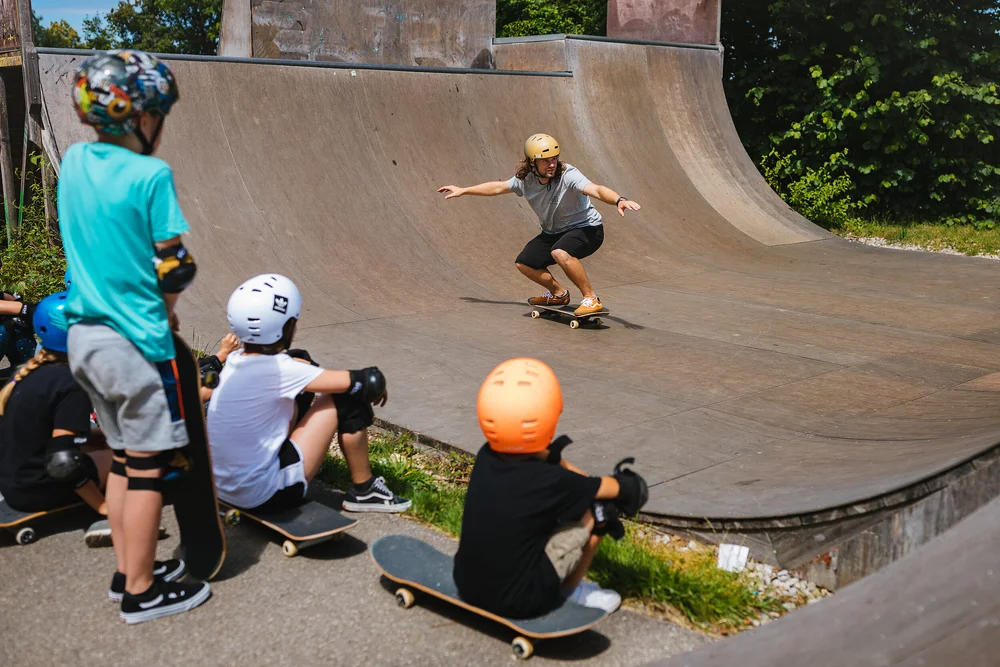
x: 290, y: 496
x: 353, y: 413
x: 579, y: 243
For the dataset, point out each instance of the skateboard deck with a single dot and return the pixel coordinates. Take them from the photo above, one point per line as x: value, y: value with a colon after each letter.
x: 193, y: 493
x: 20, y: 523
x: 304, y: 526
x: 567, y: 311
x: 410, y: 562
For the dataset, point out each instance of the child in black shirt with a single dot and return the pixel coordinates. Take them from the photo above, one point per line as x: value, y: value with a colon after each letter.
x: 45, y: 427
x: 529, y: 531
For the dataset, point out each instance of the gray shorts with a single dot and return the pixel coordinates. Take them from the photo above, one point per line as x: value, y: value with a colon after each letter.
x: 565, y: 547
x: 136, y: 401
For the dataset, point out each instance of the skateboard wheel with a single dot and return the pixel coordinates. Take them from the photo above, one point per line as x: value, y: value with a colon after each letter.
x: 574, y: 324
x: 535, y: 314
x: 598, y: 321
x: 290, y: 549
x: 26, y: 536
x: 522, y: 648
x: 404, y: 598
x: 232, y: 517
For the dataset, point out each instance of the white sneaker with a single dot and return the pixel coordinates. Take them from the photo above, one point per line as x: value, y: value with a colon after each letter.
x: 591, y: 595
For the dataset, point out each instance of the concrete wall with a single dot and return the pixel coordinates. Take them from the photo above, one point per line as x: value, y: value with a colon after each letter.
x: 441, y: 33
x: 686, y: 21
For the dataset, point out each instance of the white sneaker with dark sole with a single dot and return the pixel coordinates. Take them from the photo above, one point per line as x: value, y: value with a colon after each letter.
x: 376, y: 497
x: 164, y: 598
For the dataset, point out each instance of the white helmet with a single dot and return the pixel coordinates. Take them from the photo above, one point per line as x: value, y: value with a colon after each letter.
x: 260, y: 307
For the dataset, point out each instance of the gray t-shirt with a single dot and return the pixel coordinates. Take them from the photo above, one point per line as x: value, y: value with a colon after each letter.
x: 559, y: 204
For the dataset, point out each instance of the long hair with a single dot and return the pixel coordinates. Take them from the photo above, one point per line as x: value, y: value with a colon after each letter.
x: 525, y: 167
x: 41, y: 358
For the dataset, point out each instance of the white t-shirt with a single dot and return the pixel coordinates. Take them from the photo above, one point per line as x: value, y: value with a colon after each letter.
x: 560, y: 204
x: 248, y: 420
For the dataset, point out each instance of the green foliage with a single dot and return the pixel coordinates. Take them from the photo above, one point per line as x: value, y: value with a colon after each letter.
x: 823, y: 195
x: 908, y: 89
x: 520, y: 18
x: 32, y: 264
x: 696, y: 586
x: 58, y: 34
x: 157, y: 26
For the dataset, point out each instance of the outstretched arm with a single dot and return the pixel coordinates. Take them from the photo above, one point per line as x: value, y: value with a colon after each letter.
x: 490, y: 189
x: 609, y: 196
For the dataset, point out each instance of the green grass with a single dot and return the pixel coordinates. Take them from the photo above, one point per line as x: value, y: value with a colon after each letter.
x: 965, y: 239
x: 639, y: 567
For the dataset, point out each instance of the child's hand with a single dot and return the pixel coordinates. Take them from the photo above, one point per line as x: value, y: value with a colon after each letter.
x: 228, y: 344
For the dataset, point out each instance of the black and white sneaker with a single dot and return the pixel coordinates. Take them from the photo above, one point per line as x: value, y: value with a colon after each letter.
x: 375, y: 496
x: 166, y: 570
x: 164, y: 598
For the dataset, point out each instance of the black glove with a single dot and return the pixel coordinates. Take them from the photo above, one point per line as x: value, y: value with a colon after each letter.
x: 633, y: 491
x: 606, y: 521
x: 555, y: 449
x: 368, y: 383
x: 24, y: 319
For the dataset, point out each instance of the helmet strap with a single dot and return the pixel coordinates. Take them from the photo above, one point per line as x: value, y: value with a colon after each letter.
x: 149, y: 144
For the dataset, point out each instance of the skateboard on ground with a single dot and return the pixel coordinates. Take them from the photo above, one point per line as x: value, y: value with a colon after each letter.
x: 20, y: 523
x: 192, y: 493
x: 304, y: 526
x: 553, y: 312
x: 415, y: 564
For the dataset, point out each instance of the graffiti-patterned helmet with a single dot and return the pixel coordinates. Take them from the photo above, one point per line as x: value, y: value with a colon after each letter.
x: 113, y: 89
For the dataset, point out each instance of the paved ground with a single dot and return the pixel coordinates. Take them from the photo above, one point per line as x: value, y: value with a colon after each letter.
x: 326, y: 606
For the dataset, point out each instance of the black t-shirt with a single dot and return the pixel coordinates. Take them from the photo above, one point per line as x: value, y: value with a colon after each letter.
x: 512, y: 508
x: 47, y: 399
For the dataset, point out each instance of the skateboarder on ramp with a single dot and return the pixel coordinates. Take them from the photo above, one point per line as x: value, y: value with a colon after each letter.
x: 572, y: 228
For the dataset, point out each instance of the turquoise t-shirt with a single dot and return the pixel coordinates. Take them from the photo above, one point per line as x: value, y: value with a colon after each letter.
x: 114, y: 204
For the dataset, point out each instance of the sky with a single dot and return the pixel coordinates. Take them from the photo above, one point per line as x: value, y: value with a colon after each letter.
x: 72, y: 11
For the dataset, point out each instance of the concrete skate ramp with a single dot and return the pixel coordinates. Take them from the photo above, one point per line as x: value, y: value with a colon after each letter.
x: 938, y: 606
x: 766, y: 375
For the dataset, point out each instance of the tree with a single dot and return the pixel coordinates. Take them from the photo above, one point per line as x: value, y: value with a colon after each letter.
x: 59, y: 34
x: 905, y: 92
x: 519, y: 18
x: 158, y: 26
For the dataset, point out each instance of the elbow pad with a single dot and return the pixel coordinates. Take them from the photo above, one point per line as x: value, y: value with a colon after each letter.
x: 368, y: 383
x: 175, y: 269
x: 634, y: 492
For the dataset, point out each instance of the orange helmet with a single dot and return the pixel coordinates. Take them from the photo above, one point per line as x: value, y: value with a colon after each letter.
x: 519, y: 406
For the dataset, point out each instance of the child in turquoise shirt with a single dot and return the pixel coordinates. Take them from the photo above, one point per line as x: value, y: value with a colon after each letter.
x: 121, y: 227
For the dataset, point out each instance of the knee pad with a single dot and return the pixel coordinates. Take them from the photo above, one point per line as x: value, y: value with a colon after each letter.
x: 118, y: 467
x: 172, y: 463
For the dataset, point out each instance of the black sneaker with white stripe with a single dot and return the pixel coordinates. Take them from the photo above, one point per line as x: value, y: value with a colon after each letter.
x: 167, y: 570
x: 374, y: 496
x: 164, y: 598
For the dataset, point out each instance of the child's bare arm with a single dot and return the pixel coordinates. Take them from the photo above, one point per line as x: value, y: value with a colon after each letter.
x: 609, y: 489
x: 329, y: 382
x: 92, y: 495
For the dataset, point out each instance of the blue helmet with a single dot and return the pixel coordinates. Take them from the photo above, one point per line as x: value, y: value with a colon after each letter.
x: 68, y: 278
x: 50, y: 322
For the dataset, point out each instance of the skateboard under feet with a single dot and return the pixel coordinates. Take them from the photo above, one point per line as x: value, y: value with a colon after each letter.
x: 555, y: 312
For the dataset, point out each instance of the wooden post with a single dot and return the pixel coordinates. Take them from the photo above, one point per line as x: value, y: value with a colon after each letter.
x: 6, y: 169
